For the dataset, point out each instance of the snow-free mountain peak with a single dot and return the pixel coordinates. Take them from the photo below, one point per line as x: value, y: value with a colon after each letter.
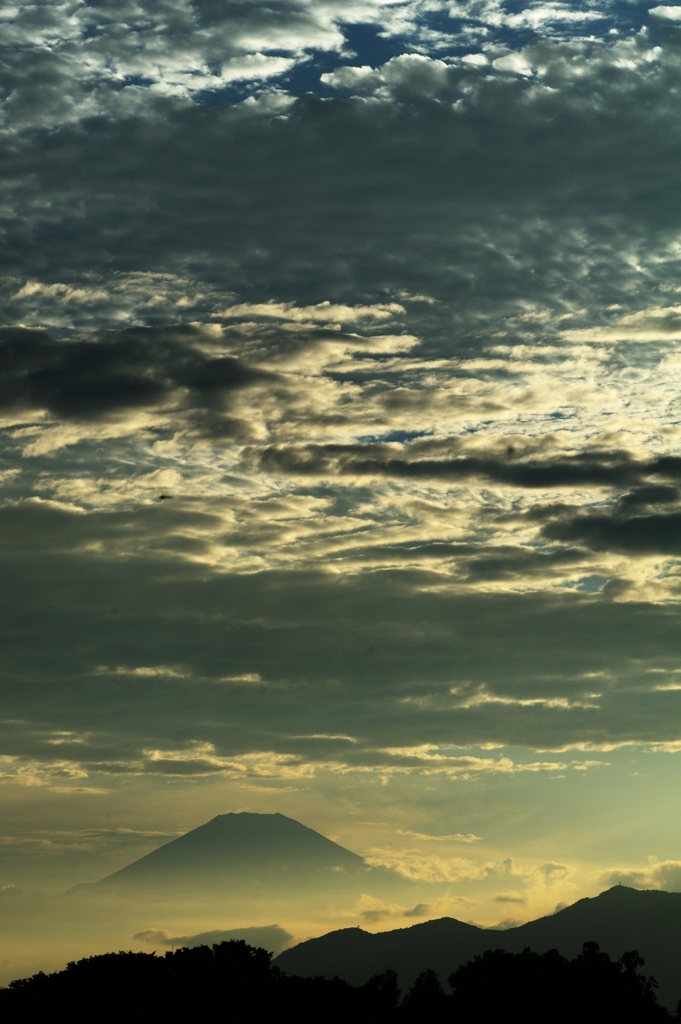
x: 238, y: 849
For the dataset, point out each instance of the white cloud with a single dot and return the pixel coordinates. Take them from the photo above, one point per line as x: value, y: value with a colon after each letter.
x: 666, y: 13
x: 456, y: 837
x: 477, y: 59
x: 656, y: 874
x: 661, y: 323
x: 322, y: 312
x: 515, y: 62
x: 358, y: 79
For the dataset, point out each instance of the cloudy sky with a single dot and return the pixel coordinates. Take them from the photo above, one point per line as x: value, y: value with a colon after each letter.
x: 340, y: 421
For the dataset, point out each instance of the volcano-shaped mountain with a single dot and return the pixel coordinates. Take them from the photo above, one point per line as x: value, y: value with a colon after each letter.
x: 241, y: 854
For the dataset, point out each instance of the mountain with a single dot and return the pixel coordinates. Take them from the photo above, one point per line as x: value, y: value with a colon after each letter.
x: 247, y: 854
x: 356, y: 955
x: 619, y: 919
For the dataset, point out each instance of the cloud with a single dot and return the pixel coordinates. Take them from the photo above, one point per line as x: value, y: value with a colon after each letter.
x: 92, y: 59
x: 665, y: 13
x: 376, y: 914
x: 91, y: 379
x: 420, y: 910
x: 273, y: 937
x: 74, y: 851
x: 433, y: 868
x: 321, y: 218
x: 646, y: 325
x: 597, y: 469
x: 57, y: 775
x: 322, y: 312
x: 457, y: 837
x: 513, y: 62
x: 506, y: 923
x: 432, y: 760
x: 664, y: 875
x: 553, y: 872
x: 657, y: 533
x: 560, y: 675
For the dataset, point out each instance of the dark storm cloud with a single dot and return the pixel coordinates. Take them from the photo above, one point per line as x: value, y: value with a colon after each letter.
x: 136, y: 368
x: 638, y: 524
x: 653, y: 494
x: 658, y: 533
x: 598, y: 469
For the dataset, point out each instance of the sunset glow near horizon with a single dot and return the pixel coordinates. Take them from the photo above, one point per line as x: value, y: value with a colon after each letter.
x: 340, y: 446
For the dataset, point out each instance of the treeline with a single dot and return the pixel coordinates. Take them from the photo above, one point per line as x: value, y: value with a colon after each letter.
x: 236, y: 982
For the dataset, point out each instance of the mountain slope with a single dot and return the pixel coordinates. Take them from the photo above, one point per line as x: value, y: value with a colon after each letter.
x: 233, y: 851
x: 618, y: 919
x: 356, y: 955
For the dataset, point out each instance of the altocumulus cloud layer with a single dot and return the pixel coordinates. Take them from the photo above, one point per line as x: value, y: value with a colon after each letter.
x: 339, y: 387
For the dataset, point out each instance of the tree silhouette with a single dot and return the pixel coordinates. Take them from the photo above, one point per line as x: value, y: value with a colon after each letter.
x: 380, y: 996
x: 592, y: 988
x: 426, y: 1001
x: 234, y: 982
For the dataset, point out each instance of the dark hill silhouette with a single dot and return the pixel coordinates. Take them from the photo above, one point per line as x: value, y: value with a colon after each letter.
x: 234, y: 981
x: 249, y: 853
x: 619, y: 919
x: 356, y: 955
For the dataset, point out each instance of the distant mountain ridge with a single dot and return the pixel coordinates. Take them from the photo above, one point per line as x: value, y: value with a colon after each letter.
x: 269, y: 856
x: 619, y: 919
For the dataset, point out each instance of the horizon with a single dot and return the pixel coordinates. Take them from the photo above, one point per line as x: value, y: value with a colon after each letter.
x: 426, y: 915
x: 340, y: 465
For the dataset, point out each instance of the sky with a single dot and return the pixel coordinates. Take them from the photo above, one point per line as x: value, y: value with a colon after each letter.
x: 339, y: 409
